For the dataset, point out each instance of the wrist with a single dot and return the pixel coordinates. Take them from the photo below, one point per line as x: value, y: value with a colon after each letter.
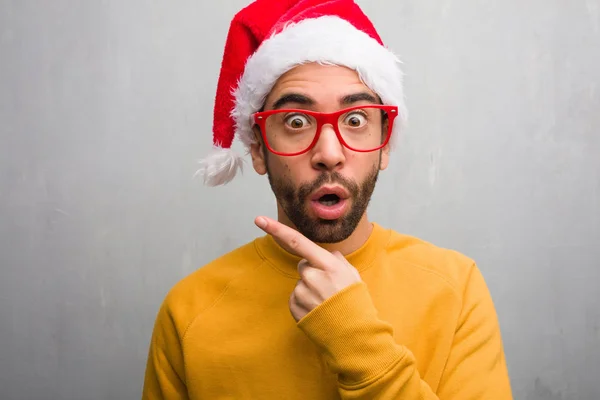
x: 355, y: 343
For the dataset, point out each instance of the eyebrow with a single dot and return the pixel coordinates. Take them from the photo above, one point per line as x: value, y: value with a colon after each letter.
x: 356, y: 97
x: 293, y: 98
x: 297, y: 98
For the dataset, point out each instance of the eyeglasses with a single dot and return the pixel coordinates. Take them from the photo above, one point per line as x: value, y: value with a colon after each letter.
x: 292, y: 132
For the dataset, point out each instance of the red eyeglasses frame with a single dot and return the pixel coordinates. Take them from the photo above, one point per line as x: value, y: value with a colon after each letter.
x: 260, y: 119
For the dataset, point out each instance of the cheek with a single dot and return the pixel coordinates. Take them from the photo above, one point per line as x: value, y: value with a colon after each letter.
x: 294, y: 169
x: 282, y: 168
x: 362, y: 165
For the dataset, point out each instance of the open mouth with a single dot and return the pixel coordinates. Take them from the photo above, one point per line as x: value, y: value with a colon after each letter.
x: 330, y: 202
x: 329, y: 199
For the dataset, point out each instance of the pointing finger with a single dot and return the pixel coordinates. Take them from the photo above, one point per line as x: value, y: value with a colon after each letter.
x: 294, y: 242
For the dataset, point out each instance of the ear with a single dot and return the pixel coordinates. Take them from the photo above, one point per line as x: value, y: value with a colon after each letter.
x: 257, y: 152
x: 385, y: 157
x: 385, y: 152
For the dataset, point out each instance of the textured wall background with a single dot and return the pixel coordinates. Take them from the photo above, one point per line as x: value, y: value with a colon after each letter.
x: 105, y: 107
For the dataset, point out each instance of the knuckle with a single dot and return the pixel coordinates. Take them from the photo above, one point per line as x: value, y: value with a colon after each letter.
x: 309, y: 274
x: 300, y: 290
x: 294, y: 242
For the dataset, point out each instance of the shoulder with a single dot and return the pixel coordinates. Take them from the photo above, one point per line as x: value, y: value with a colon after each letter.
x: 420, y: 256
x: 200, y: 290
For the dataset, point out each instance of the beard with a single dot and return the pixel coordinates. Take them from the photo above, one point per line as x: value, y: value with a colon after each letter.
x: 294, y: 203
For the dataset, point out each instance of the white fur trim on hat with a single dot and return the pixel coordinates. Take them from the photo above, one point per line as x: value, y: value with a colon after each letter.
x: 326, y: 40
x: 220, y: 167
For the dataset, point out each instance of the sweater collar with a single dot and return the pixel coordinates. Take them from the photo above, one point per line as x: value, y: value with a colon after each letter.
x: 287, y: 263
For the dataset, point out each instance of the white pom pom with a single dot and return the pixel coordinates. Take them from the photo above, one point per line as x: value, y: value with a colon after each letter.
x: 220, y: 167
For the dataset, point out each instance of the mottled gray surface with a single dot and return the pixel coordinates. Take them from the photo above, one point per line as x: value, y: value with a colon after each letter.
x: 105, y: 107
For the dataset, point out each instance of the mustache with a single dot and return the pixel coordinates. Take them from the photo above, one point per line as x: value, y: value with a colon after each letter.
x: 328, y: 177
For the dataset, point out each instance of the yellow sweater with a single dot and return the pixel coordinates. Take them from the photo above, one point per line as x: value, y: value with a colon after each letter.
x: 421, y: 325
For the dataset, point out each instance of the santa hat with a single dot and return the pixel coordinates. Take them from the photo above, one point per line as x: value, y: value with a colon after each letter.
x: 270, y: 37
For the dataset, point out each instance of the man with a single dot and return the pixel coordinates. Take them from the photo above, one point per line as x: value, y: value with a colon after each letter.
x: 326, y: 305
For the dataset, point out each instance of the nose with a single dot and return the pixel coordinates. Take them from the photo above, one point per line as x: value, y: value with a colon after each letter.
x: 328, y: 153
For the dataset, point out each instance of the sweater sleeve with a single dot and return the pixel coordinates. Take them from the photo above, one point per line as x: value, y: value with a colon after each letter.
x: 361, y: 350
x: 165, y: 377
x: 476, y: 367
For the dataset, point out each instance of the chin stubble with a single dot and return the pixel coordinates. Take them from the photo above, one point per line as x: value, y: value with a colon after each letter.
x: 294, y: 204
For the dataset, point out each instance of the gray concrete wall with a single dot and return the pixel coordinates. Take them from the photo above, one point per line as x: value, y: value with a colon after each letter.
x: 105, y: 106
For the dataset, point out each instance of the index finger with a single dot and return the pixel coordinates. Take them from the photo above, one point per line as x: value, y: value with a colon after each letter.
x: 295, y: 242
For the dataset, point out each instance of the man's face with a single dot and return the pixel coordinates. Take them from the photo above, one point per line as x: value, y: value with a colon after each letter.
x: 347, y: 177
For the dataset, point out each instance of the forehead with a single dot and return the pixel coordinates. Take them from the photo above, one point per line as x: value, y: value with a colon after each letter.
x: 325, y: 84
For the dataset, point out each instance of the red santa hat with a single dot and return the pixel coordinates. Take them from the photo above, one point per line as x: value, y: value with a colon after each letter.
x: 270, y: 37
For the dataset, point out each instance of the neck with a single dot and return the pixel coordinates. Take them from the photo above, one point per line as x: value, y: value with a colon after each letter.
x: 350, y: 244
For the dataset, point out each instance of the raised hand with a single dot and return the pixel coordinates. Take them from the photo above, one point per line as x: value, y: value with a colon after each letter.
x: 322, y: 273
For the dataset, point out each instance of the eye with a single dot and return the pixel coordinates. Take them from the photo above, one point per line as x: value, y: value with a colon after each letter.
x: 355, y: 120
x: 297, y: 121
